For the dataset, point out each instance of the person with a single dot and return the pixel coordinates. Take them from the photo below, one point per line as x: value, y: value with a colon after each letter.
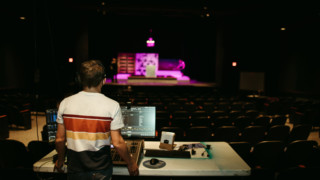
x: 181, y: 65
x: 87, y: 123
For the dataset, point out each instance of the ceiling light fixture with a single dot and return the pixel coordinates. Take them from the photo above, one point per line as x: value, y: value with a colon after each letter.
x: 150, y: 41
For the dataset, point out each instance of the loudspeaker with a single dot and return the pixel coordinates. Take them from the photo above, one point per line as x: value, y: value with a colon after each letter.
x: 26, y: 118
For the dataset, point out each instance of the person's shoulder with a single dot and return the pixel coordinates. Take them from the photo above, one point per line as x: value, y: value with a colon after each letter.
x: 67, y: 97
x: 71, y: 96
x: 109, y: 99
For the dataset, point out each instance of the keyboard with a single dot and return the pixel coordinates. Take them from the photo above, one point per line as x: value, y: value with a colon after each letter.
x: 167, y: 154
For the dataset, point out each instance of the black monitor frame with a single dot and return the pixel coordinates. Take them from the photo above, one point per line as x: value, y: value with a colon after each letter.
x: 142, y: 123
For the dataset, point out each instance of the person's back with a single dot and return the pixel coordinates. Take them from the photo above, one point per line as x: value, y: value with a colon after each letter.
x: 86, y: 121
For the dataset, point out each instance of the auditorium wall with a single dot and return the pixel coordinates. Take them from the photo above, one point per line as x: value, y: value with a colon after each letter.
x: 35, y: 52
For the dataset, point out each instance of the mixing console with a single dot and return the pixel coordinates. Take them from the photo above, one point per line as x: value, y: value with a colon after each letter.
x: 135, y: 148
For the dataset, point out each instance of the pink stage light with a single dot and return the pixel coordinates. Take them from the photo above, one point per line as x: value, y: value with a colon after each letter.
x: 123, y: 76
x: 70, y: 60
x: 150, y: 42
x: 167, y: 73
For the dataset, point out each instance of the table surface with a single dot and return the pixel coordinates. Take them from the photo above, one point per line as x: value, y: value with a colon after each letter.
x: 224, y: 161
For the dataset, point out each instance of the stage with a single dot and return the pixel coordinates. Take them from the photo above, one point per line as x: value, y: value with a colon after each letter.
x: 148, y: 69
x: 159, y: 81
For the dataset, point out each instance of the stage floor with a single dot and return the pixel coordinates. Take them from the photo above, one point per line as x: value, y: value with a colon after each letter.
x: 150, y: 82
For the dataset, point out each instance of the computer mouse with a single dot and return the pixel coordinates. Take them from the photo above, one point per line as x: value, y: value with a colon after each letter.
x: 154, y: 161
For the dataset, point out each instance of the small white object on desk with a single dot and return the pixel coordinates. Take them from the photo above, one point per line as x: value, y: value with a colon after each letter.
x: 167, y: 137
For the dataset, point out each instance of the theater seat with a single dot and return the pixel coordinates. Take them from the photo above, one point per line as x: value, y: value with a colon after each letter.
x: 267, y: 155
x: 39, y: 149
x: 253, y: 134
x: 300, y: 153
x: 299, y: 132
x: 278, y: 132
x: 14, y: 154
x: 226, y: 133
x: 198, y: 133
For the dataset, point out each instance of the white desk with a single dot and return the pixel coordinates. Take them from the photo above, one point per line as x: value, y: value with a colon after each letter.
x: 224, y: 162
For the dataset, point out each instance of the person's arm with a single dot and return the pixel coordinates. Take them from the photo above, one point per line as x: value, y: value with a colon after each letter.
x: 60, y: 147
x: 122, y: 150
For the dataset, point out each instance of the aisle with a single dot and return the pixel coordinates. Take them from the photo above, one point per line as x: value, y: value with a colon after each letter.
x: 26, y: 136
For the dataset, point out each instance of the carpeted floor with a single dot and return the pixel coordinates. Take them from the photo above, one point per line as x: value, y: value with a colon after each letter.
x: 25, y: 136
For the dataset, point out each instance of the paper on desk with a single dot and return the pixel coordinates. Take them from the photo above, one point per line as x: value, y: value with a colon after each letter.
x: 167, y: 137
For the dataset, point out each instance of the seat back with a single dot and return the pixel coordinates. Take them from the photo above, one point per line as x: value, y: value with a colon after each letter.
x: 299, y: 153
x: 253, y: 134
x: 278, y: 120
x: 39, y: 149
x: 242, y: 148
x: 278, y: 132
x: 299, y: 132
x: 262, y: 120
x: 14, y: 154
x: 220, y: 121
x: 299, y: 173
x: 226, y: 133
x: 267, y: 154
x: 241, y: 122
x: 252, y: 114
x: 198, y: 133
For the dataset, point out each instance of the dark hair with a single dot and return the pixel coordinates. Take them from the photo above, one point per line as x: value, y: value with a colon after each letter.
x: 91, y: 73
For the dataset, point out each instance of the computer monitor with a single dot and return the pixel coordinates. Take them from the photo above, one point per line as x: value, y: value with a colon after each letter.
x: 51, y: 117
x: 139, y: 122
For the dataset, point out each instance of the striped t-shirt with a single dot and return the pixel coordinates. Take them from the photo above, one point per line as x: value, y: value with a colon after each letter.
x: 88, y: 119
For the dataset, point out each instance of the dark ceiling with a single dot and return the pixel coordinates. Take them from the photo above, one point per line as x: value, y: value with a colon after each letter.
x: 167, y: 8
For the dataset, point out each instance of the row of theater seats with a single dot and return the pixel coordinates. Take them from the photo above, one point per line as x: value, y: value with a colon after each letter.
x: 275, y: 160
x: 217, y: 118
x: 208, y: 99
x: 190, y: 105
x: 188, y: 98
x: 16, y: 159
x: 251, y: 134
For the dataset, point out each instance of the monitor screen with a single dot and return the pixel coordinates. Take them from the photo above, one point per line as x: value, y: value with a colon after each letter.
x: 139, y: 122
